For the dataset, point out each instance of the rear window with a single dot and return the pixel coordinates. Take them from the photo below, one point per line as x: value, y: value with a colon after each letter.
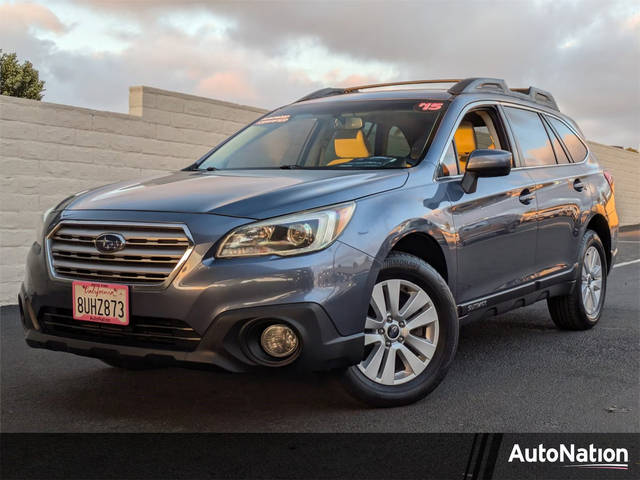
x: 535, y: 146
x: 576, y: 148
x: 338, y: 134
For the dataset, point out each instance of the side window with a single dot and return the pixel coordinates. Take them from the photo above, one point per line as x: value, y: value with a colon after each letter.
x: 449, y: 165
x: 532, y: 137
x: 477, y: 130
x: 397, y: 144
x: 558, y: 149
x: 576, y: 148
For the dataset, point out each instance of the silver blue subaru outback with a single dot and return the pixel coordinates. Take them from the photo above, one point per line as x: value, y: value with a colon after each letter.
x: 351, y: 230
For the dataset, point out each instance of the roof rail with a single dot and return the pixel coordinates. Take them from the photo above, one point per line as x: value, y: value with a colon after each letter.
x: 533, y: 94
x: 468, y: 85
x: 538, y: 95
x: 323, y: 92
x: 472, y: 85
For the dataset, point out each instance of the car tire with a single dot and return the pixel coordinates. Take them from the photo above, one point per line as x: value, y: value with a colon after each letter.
x: 581, y: 309
x: 384, y: 385
x: 130, y: 363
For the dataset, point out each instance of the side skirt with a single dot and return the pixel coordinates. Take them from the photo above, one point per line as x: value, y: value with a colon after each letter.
x: 532, y: 292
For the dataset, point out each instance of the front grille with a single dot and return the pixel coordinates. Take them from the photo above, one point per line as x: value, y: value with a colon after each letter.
x: 145, y: 332
x: 152, y: 252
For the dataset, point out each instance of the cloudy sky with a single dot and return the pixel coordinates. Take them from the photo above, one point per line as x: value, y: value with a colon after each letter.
x: 266, y: 53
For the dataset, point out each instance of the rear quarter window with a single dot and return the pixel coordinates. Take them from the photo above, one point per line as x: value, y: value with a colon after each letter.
x: 574, y: 145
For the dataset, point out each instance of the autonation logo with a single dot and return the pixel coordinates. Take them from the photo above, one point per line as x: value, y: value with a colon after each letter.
x: 574, y: 457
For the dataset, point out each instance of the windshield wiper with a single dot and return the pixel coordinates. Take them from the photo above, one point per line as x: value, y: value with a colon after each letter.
x: 378, y: 161
x: 289, y: 167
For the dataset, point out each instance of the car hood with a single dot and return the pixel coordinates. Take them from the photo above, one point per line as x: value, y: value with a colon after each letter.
x: 252, y: 194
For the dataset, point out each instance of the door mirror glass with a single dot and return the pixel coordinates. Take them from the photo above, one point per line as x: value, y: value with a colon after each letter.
x: 485, y: 163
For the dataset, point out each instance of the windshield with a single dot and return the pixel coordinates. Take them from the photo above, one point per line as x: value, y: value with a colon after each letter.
x: 345, y: 134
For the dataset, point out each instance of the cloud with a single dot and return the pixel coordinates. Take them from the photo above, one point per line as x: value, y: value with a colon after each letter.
x: 225, y: 85
x: 269, y: 53
x: 16, y: 16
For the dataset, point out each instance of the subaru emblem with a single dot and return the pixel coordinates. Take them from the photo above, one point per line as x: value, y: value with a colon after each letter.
x: 110, y: 242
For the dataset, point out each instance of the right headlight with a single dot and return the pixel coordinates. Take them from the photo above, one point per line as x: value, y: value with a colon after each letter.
x: 45, y: 216
x: 294, y: 234
x: 41, y: 224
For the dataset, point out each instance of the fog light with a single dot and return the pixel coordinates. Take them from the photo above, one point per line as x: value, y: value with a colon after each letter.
x: 279, y: 340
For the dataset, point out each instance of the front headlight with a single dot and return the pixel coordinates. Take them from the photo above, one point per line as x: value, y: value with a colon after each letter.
x: 43, y: 221
x: 289, y: 235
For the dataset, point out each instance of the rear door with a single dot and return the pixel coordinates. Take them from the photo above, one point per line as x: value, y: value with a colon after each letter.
x: 561, y: 188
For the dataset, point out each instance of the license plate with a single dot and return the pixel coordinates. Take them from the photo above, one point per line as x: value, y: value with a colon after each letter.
x: 101, y: 302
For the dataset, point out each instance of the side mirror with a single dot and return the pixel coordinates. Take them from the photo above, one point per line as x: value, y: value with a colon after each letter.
x: 485, y: 163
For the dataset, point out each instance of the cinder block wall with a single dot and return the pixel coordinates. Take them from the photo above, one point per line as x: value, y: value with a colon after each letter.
x: 625, y: 168
x: 50, y: 151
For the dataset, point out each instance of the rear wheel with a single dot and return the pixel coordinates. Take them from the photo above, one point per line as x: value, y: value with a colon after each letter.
x: 411, y: 335
x: 582, y: 308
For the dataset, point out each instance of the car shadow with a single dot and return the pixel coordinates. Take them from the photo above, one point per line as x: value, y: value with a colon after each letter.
x: 96, y: 397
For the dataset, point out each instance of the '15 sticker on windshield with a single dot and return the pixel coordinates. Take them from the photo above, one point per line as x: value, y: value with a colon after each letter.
x: 427, y: 106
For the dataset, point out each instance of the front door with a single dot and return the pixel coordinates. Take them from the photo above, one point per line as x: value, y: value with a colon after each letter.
x: 496, y: 228
x: 496, y: 225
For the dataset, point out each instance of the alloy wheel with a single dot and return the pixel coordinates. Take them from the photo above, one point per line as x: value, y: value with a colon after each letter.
x: 401, y: 332
x: 591, y: 281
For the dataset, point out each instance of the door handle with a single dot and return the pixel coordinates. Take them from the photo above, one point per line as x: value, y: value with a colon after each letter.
x: 578, y: 185
x: 526, y: 197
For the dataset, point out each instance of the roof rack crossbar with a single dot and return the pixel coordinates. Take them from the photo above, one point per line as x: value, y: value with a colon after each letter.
x: 468, y: 85
x: 393, y: 84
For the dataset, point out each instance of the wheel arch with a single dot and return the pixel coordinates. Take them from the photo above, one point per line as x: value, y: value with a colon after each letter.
x: 599, y: 224
x: 425, y: 247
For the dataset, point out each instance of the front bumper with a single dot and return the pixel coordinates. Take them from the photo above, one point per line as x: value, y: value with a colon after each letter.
x: 323, y: 295
x: 323, y: 347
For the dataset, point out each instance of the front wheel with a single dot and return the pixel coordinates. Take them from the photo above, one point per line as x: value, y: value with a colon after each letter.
x: 410, y: 336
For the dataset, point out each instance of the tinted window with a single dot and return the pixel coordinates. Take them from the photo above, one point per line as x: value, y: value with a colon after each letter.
x: 561, y: 155
x: 531, y: 135
x: 479, y: 129
x: 576, y: 148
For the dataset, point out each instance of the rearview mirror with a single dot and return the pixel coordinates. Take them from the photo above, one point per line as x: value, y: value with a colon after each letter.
x: 485, y: 163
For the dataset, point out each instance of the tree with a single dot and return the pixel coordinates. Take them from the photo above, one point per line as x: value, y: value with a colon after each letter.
x: 19, y: 80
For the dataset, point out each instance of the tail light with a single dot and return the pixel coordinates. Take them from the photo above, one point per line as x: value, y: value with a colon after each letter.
x: 609, y: 178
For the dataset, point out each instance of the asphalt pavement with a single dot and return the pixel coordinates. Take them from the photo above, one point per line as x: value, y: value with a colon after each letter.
x: 512, y: 373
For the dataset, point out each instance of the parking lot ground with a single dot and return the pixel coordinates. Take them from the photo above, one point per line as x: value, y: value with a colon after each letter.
x: 512, y: 373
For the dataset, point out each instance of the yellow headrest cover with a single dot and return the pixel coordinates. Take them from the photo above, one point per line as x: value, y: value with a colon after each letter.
x: 351, y: 147
x: 465, y: 139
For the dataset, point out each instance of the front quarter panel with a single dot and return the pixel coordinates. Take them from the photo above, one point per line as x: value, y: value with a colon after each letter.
x: 382, y: 220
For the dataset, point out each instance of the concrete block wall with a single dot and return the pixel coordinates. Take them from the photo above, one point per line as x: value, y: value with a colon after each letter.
x: 625, y: 168
x: 49, y: 151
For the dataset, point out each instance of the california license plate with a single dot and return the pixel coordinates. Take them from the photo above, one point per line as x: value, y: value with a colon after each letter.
x: 101, y: 302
